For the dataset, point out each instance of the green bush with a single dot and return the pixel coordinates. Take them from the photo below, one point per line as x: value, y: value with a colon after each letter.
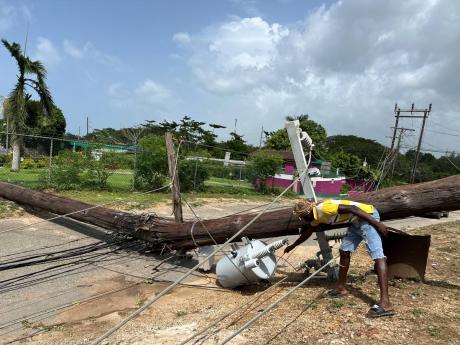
x: 152, y: 164
x: 35, y: 162
x: 121, y: 160
x: 75, y: 170
x: 67, y: 170
x: 28, y: 163
x: 192, y: 175
x: 345, y: 189
x: 5, y: 159
x: 218, y: 169
x: 262, y: 166
x: 42, y: 162
x: 96, y: 174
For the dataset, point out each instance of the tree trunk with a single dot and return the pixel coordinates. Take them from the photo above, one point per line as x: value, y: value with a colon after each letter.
x: 395, y: 202
x: 16, y: 160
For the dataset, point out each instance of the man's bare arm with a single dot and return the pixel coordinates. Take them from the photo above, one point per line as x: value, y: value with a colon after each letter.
x: 305, y: 235
x: 364, y: 216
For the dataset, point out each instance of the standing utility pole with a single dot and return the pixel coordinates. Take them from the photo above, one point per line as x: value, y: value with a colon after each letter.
x: 398, y: 146
x: 419, y: 145
x: 413, y: 114
x: 397, y: 112
x: 174, y: 177
x: 87, y: 126
x: 261, y: 137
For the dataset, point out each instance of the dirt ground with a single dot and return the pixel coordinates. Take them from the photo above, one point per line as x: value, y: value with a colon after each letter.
x: 427, y: 312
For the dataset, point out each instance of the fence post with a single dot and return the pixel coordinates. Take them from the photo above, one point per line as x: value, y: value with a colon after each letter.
x: 50, y: 162
x: 174, y: 176
x: 134, y: 169
x: 194, y: 175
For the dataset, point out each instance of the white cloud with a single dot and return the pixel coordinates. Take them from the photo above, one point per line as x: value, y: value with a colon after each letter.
x: 11, y: 15
x: 181, y: 37
x: 146, y: 95
x: 89, y: 51
x: 346, y: 64
x: 7, y: 15
x: 236, y: 55
x: 47, y: 53
x: 73, y: 50
x: 249, y: 7
x: 153, y: 93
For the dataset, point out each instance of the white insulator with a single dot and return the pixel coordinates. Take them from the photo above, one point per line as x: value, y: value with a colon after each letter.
x: 270, y: 248
x: 251, y: 263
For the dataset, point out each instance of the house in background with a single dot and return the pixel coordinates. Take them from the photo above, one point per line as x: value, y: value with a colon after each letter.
x: 326, y: 183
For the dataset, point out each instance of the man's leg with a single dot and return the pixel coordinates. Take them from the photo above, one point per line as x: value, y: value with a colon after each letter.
x: 343, y: 270
x: 349, y: 244
x: 382, y: 273
x: 375, y: 249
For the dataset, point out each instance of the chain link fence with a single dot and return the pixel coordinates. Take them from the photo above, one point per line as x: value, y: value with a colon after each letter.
x: 224, y: 177
x: 47, y: 162
x: 54, y: 163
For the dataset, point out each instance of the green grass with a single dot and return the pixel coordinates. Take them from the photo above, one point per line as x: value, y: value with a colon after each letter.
x: 434, y: 331
x: 123, y: 199
x: 417, y: 312
x: 120, y: 188
x: 180, y: 313
x: 33, y: 178
x: 9, y: 209
x: 219, y: 181
x: 28, y: 178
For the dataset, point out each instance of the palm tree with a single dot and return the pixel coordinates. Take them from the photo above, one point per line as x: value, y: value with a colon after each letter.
x: 15, y: 109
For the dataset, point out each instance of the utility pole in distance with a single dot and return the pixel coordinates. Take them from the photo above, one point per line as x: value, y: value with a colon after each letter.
x: 413, y: 114
x: 398, y: 146
x: 174, y: 177
x: 426, y: 112
x: 397, y: 112
x: 87, y: 126
x: 261, y: 137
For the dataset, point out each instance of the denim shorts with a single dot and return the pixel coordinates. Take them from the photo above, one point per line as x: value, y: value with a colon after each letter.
x: 363, y: 231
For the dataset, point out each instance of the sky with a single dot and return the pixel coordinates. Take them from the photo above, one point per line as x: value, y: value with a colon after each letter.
x: 248, y: 63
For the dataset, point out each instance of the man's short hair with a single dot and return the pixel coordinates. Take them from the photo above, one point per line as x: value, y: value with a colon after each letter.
x: 303, y: 208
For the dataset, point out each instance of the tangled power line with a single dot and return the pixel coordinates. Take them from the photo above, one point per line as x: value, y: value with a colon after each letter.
x: 62, y: 255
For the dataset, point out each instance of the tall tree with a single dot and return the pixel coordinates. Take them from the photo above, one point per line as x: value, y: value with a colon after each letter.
x: 42, y: 124
x: 278, y: 140
x: 365, y: 149
x: 316, y: 132
x: 237, y: 146
x: 16, y: 110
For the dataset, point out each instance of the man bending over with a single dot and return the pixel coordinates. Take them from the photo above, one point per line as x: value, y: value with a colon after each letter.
x: 364, y: 223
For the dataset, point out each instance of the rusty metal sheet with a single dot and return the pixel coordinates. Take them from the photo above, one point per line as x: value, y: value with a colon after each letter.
x: 407, y: 254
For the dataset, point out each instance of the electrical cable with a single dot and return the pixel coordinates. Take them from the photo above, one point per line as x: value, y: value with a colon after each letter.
x: 295, y: 269
x: 274, y: 304
x: 198, y: 219
x: 237, y: 308
x: 443, y: 133
x: 150, y: 280
x: 47, y: 247
x: 50, y: 256
x: 169, y: 288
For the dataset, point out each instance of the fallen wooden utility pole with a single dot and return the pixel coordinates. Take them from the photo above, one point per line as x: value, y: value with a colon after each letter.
x: 395, y: 202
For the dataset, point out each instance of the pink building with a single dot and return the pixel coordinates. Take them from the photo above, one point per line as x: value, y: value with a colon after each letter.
x: 321, y: 185
x: 328, y: 184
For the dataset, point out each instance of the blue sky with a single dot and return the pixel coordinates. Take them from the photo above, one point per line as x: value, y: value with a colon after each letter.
x: 344, y: 63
